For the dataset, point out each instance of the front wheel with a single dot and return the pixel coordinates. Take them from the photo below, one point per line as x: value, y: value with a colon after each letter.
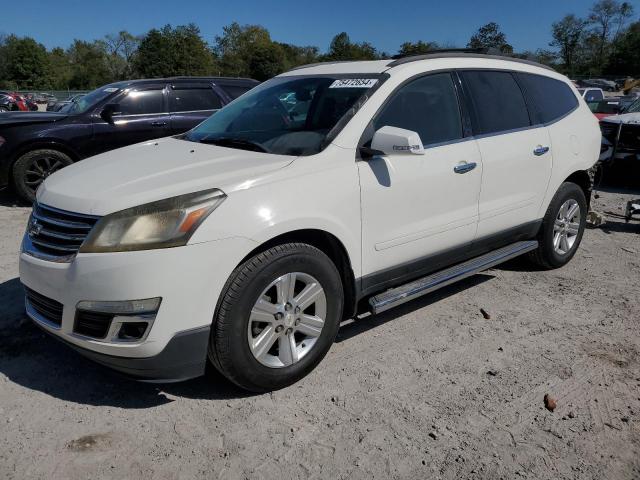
x: 32, y: 168
x: 277, y: 318
x: 562, y: 227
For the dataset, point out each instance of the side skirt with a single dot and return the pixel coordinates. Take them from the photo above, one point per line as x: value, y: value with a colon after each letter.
x: 397, y: 296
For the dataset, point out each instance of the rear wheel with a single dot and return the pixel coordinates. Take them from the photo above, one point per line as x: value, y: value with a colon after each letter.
x: 562, y: 227
x: 277, y: 318
x: 32, y: 168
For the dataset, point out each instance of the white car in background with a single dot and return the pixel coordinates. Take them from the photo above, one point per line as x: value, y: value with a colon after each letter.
x: 591, y: 95
x: 246, y: 241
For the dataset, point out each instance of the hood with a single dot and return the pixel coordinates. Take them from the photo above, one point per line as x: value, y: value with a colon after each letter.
x: 625, y: 118
x: 151, y: 171
x: 27, y: 118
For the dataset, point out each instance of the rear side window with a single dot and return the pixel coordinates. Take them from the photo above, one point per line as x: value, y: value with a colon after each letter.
x: 234, y: 91
x: 139, y: 102
x: 498, y: 103
x: 191, y: 99
x: 428, y: 106
x: 551, y: 98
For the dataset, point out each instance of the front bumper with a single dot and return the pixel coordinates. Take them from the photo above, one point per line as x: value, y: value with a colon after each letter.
x: 189, y: 279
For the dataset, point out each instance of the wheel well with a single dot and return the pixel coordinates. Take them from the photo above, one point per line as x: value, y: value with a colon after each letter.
x: 45, y: 146
x: 584, y: 180
x: 330, y: 246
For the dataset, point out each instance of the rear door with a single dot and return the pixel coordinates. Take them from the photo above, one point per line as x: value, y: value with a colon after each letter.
x: 140, y: 114
x: 190, y: 104
x: 516, y: 154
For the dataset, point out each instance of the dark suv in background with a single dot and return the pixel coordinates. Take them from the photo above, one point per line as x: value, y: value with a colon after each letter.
x: 34, y: 145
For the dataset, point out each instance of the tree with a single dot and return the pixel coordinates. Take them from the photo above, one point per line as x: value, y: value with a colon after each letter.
x: 608, y: 17
x: 567, y: 35
x: 625, y: 60
x: 418, y: 48
x: 27, y: 64
x: 237, y: 46
x: 341, y: 48
x: 169, y: 51
x: 295, y: 56
x: 88, y: 63
x: 266, y: 61
x: 489, y: 36
x: 60, y: 69
x: 121, y: 48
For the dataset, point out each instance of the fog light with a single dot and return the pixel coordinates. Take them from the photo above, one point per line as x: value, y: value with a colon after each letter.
x: 130, y: 331
x: 126, y: 321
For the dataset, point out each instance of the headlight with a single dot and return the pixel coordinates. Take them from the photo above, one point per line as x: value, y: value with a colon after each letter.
x: 162, y: 224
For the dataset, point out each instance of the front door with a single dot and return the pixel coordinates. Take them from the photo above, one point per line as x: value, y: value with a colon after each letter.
x: 419, y: 211
x: 140, y: 114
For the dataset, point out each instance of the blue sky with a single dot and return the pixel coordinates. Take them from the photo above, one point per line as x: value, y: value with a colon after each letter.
x: 385, y: 24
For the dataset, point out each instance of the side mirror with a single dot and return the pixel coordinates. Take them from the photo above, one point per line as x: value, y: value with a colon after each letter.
x: 108, y: 111
x: 394, y: 141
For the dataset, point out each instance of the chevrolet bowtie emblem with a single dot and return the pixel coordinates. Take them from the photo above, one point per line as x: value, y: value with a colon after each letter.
x: 34, y: 228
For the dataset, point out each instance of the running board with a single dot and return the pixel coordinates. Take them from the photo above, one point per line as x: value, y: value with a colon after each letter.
x: 404, y: 293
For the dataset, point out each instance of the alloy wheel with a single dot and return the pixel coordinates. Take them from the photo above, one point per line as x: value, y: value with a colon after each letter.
x: 566, y: 227
x: 287, y: 320
x: 39, y: 169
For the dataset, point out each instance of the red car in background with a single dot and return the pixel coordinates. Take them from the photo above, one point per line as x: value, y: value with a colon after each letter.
x: 15, y: 101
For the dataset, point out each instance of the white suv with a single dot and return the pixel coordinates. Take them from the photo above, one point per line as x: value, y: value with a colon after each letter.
x: 330, y: 189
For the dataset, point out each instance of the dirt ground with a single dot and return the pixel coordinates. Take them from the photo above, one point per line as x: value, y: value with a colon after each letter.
x: 431, y: 390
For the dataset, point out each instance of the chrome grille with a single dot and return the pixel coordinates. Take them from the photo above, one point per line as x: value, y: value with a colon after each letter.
x: 57, y: 234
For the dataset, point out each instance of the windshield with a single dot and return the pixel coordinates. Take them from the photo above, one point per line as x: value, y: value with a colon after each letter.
x: 83, y: 104
x: 296, y: 115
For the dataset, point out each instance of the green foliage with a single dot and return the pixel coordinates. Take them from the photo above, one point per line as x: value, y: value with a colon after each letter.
x: 626, y: 57
x: 601, y: 42
x: 173, y: 51
x: 26, y: 62
x: 489, y: 36
x: 341, y: 48
x: 88, y: 63
x: 418, y: 48
x: 568, y: 33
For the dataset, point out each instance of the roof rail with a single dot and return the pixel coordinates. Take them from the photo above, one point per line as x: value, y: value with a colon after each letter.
x: 462, y: 53
x: 443, y: 50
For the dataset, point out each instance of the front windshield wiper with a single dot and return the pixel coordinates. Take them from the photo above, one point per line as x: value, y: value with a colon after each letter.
x: 236, y: 142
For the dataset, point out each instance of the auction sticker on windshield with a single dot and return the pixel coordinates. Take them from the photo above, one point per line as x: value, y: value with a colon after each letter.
x: 354, y: 83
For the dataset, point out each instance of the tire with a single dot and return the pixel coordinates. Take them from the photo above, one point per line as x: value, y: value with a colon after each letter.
x: 32, y: 168
x: 3, y: 109
x: 233, y: 330
x: 552, y: 252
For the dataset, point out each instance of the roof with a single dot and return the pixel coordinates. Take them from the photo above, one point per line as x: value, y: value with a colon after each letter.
x: 380, y: 66
x: 237, y: 80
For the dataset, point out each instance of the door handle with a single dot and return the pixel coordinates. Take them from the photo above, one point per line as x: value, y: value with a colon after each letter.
x: 465, y: 167
x: 540, y: 150
x: 158, y: 124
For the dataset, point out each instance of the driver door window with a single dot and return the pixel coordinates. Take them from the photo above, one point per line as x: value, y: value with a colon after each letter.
x: 428, y: 106
x: 139, y: 102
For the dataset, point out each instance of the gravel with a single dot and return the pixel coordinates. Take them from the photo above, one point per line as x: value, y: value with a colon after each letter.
x: 433, y: 389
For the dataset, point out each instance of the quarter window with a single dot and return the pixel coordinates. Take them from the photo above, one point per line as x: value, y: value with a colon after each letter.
x: 552, y: 98
x: 138, y: 102
x: 190, y: 99
x: 498, y: 103
x: 428, y: 106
